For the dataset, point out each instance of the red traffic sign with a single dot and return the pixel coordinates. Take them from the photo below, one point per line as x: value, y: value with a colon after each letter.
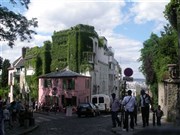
x: 128, y: 72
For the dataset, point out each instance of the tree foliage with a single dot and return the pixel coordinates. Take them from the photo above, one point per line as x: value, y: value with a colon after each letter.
x: 1, y: 61
x: 47, y: 57
x: 4, y: 81
x: 14, y: 25
x: 156, y: 54
x: 171, y: 12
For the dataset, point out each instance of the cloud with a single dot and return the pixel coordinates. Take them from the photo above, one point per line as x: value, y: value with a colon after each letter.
x: 127, y: 52
x: 58, y: 14
x: 148, y: 11
x: 14, y: 53
x: 104, y: 15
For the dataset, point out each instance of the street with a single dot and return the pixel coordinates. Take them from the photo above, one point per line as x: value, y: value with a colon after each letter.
x: 60, y: 124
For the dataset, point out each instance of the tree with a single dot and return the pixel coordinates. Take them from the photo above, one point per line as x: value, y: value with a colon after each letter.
x: 6, y: 64
x: 47, y: 57
x: 156, y: 54
x: 171, y: 12
x: 15, y: 25
x: 1, y: 61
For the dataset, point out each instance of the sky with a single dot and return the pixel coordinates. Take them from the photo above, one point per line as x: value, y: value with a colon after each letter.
x: 126, y: 24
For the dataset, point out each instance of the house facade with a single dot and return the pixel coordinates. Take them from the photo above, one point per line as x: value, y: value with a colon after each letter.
x: 16, y: 79
x: 64, y: 88
x: 87, y: 53
x: 84, y: 52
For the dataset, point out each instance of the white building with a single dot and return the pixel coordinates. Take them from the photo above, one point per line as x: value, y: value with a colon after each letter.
x: 106, y: 75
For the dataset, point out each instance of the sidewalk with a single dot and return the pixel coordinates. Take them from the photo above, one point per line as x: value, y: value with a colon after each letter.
x: 167, y: 128
x: 19, y: 130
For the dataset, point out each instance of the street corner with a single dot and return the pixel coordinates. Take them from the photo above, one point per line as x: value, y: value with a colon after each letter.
x: 30, y: 129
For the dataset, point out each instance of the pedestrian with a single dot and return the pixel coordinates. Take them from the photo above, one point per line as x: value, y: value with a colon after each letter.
x: 129, y: 103
x: 159, y: 113
x: 36, y: 105
x: 115, y: 106
x: 6, y: 114
x: 145, y: 102
x: 1, y: 119
x: 135, y: 112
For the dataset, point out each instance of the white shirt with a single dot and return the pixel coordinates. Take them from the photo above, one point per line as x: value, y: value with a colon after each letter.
x: 129, y: 103
x: 144, y: 99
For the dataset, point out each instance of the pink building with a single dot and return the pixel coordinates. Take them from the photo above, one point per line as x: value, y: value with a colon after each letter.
x: 63, y: 88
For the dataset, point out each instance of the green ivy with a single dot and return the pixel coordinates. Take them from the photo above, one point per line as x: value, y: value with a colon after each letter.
x: 68, y: 48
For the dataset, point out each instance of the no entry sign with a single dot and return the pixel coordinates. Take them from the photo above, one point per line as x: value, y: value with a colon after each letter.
x: 128, y: 72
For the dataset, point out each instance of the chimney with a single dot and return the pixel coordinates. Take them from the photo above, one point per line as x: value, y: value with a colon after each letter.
x: 24, y: 49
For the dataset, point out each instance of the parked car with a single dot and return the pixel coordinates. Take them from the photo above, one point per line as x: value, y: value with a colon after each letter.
x: 87, y: 109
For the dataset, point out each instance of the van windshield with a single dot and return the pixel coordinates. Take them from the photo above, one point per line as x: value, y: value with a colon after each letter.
x: 101, y: 100
x: 94, y: 100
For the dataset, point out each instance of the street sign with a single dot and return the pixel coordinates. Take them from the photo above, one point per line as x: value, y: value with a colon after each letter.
x: 128, y: 72
x: 127, y: 78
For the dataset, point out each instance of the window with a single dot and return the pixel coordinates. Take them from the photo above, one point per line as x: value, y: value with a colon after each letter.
x: 55, y: 82
x: 47, y: 83
x: 94, y: 100
x: 64, y: 84
x: 101, y: 100
x: 68, y: 84
x: 88, y: 56
x: 87, y: 83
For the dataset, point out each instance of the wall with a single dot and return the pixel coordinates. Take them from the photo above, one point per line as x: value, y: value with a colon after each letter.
x: 167, y: 98
x: 80, y: 92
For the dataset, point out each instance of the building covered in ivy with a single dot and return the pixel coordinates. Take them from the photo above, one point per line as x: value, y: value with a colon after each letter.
x: 84, y: 51
x: 80, y: 49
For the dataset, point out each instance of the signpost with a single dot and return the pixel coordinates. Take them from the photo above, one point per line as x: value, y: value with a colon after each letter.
x: 128, y: 72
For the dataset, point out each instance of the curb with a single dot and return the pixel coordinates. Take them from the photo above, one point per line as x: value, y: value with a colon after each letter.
x: 28, y: 130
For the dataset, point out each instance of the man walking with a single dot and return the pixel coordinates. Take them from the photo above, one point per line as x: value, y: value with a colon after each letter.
x: 115, y: 106
x: 145, y: 102
x: 129, y: 103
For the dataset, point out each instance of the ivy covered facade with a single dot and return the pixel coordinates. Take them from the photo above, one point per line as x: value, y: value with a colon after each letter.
x: 81, y: 50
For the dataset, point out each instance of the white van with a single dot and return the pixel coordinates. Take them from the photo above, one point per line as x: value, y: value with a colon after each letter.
x: 102, y: 101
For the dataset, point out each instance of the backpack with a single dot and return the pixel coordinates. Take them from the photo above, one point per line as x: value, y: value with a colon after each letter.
x: 146, y: 100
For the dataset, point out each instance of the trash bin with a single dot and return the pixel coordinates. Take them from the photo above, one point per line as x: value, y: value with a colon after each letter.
x: 68, y: 111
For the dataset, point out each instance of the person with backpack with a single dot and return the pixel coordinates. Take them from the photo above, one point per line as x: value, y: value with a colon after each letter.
x: 129, y: 103
x: 145, y: 102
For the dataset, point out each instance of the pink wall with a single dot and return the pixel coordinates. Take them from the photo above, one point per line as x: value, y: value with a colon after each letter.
x: 81, y: 91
